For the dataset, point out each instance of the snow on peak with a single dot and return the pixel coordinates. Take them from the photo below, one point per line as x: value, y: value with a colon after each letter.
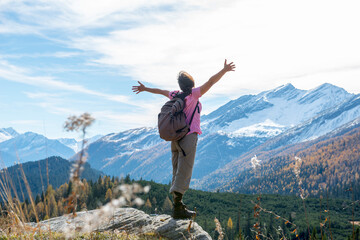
x: 128, y: 134
x: 77, y: 145
x: 135, y: 139
x: 326, y: 91
x: 268, y: 128
x: 7, y: 133
x: 285, y: 87
x: 287, y: 91
x: 284, y: 106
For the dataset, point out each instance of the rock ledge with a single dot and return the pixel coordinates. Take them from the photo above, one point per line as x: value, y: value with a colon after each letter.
x: 132, y: 221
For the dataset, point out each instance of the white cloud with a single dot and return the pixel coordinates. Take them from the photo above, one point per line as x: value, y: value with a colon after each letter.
x: 78, y: 15
x: 16, y: 74
x: 268, y: 40
x: 40, y: 55
x: 121, y: 121
x: 41, y: 95
x: 151, y: 41
x: 55, y: 109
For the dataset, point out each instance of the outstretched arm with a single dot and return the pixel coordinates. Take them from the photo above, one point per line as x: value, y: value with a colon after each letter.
x: 214, y: 79
x: 142, y: 88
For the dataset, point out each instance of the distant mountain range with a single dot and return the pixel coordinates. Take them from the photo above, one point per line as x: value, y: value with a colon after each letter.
x: 269, y: 120
x: 29, y: 146
x: 53, y: 170
x: 264, y: 124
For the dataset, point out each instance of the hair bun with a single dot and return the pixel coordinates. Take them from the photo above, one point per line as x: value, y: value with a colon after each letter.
x: 186, y: 82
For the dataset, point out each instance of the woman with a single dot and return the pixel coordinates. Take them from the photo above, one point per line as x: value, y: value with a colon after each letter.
x: 183, y: 164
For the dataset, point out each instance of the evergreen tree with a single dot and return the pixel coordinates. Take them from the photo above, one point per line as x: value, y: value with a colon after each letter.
x: 53, y: 209
x: 313, y: 235
x: 37, y: 199
x: 290, y: 220
x: 69, y: 190
x: 127, y: 179
x: 40, y: 210
x: 154, y: 202
x: 148, y: 206
x: 167, y: 206
x: 248, y: 227
x: 270, y: 230
x: 108, y: 195
x: 60, y: 207
x: 357, y: 234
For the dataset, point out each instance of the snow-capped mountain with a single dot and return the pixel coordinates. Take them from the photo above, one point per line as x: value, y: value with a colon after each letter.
x: 71, y: 143
x: 30, y: 146
x: 229, y: 132
x: 271, y: 112
x: 124, y: 152
x: 327, y: 124
x: 7, y: 133
x: 77, y: 145
x: 244, y: 123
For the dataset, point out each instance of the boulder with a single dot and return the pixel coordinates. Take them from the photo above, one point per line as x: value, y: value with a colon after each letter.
x: 130, y: 220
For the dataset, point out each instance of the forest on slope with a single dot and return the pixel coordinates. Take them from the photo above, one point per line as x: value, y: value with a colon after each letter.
x: 331, y: 165
x: 53, y: 171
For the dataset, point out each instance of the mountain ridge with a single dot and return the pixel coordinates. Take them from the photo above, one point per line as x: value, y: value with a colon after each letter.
x: 7, y: 133
x: 280, y: 116
x: 230, y: 131
x: 29, y: 146
x: 292, y: 136
x: 36, y: 172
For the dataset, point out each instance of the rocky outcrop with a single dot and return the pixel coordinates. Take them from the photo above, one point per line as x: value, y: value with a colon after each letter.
x: 131, y: 220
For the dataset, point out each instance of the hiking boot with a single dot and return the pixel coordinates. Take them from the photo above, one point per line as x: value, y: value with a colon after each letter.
x: 181, y: 212
x: 179, y: 209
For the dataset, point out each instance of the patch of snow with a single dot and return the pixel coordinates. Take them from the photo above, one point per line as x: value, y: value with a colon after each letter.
x: 7, y: 134
x: 285, y: 112
x: 268, y: 128
x: 109, y: 161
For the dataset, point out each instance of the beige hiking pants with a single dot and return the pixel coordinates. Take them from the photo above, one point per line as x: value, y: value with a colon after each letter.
x: 183, y: 165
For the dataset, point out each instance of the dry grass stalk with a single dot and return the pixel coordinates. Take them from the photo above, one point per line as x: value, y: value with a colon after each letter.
x: 29, y: 192
x: 218, y: 228
x: 258, y: 235
x: 286, y: 221
x: 189, y: 228
x: 13, y: 205
x: 281, y: 231
x: 75, y: 123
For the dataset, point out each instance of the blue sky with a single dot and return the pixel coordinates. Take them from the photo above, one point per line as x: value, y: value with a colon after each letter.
x: 60, y: 57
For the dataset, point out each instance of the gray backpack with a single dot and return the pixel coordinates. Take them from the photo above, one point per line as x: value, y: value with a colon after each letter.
x: 171, y: 119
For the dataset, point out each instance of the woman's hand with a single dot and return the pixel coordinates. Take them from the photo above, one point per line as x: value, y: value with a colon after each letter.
x: 229, y: 67
x: 214, y: 79
x: 142, y: 88
x: 139, y: 89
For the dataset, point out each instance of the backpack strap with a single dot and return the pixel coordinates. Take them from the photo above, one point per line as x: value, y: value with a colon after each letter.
x: 192, y: 116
